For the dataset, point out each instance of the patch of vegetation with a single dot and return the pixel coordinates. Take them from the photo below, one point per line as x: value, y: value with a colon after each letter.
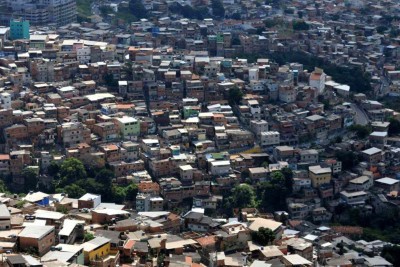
x: 125, y: 15
x: 392, y: 254
x: 105, y: 10
x: 75, y: 180
x: 88, y: 236
x: 394, y: 127
x: 300, y: 25
x: 20, y: 204
x: 348, y: 158
x: 235, y: 96
x: 137, y: 9
x: 352, y: 76
x: 84, y: 9
x: 200, y: 12
x: 264, y: 236
x: 218, y: 9
x: 360, y: 130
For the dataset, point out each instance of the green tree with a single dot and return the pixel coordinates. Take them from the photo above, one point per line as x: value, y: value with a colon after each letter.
x: 53, y: 169
x: 131, y: 192
x: 71, y: 170
x: 137, y: 8
x: 394, y: 127
x: 72, y: 190
x: 360, y: 130
x: 109, y: 80
x: 62, y: 209
x: 119, y: 194
x: 235, y: 96
x: 277, y: 178
x: 92, y: 186
x: 88, y: 236
x: 20, y: 204
x: 273, y: 193
x: 288, y: 174
x: 105, y: 176
x: 264, y: 236
x: 218, y: 9
x: 348, y: 158
x: 3, y: 187
x: 392, y: 254
x: 243, y: 196
x: 31, y: 179
x: 300, y: 25
x: 381, y: 29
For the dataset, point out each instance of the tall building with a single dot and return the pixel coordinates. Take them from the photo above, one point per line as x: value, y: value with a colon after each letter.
x: 42, y: 12
x: 317, y: 80
x: 19, y: 29
x: 5, y: 100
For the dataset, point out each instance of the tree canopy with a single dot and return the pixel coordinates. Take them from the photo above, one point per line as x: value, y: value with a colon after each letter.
x: 137, y: 8
x: 243, y: 196
x: 71, y: 170
x: 360, y: 130
x: 300, y: 25
x: 76, y: 180
x: 235, y: 96
x: 264, y: 236
x: 189, y: 12
x: 31, y: 178
x: 354, y: 77
x: 73, y: 191
x: 348, y: 158
x: 394, y: 127
x: 392, y: 254
x: 218, y: 9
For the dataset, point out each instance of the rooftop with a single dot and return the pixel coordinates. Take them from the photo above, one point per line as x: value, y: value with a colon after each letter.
x: 36, y: 231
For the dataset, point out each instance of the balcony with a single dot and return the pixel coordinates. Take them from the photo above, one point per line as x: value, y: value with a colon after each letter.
x: 112, y: 260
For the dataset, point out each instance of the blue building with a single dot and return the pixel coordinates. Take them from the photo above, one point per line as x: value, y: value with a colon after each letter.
x: 19, y: 29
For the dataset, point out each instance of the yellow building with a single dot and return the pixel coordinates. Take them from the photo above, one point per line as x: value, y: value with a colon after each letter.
x: 95, y: 249
x: 319, y: 175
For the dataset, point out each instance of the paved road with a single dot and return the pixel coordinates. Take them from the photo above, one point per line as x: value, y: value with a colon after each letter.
x: 361, y: 117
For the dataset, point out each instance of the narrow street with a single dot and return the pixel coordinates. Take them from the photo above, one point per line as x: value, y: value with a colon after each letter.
x: 361, y: 117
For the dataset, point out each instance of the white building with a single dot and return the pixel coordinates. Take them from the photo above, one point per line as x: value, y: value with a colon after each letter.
x: 44, y: 12
x: 287, y: 94
x: 220, y: 167
x: 354, y: 198
x: 95, y: 199
x: 270, y: 138
x: 5, y: 100
x: 147, y: 202
x: 317, y: 80
x: 253, y: 74
x: 5, y: 217
x: 255, y: 108
x: 258, y: 126
x: 83, y: 55
x: 362, y: 183
x: 186, y: 172
x: 299, y: 183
